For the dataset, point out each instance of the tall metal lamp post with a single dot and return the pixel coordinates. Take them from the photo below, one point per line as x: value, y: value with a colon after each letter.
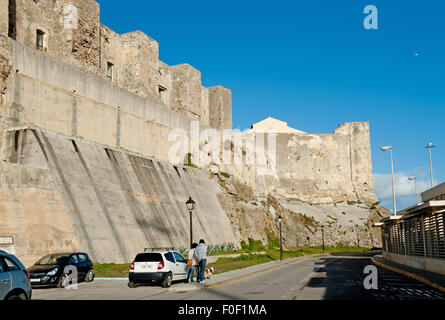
x: 322, y: 236
x: 393, y: 184
x: 417, y: 190
x: 190, y: 204
x: 430, y: 146
x: 281, y: 238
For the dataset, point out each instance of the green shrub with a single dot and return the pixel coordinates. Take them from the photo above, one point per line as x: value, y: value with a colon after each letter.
x: 253, y: 245
x: 272, y: 241
x: 225, y: 175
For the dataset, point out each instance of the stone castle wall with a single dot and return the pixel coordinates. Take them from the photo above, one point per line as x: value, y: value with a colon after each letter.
x: 73, y: 34
x: 53, y: 95
x: 315, y: 168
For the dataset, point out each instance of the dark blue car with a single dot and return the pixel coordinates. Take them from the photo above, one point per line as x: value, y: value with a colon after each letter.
x: 56, y: 269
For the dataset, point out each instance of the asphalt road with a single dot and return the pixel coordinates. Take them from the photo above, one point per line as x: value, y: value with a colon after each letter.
x: 332, y: 277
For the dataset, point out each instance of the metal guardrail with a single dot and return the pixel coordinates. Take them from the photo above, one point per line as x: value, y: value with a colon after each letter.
x: 422, y: 235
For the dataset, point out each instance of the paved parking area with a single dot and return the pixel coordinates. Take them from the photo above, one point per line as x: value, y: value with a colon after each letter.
x: 99, y: 290
x: 330, y: 277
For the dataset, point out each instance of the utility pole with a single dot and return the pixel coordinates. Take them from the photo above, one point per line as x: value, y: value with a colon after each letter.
x: 429, y: 146
x: 393, y: 183
x: 417, y: 190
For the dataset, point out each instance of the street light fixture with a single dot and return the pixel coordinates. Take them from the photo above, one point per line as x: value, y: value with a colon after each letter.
x: 392, y: 170
x: 281, y: 238
x: 417, y: 192
x: 190, y: 204
x: 429, y: 146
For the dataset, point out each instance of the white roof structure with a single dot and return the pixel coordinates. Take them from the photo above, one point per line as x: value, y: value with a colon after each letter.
x: 271, y: 124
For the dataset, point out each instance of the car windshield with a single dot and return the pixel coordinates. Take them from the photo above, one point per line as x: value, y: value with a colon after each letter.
x: 53, y: 259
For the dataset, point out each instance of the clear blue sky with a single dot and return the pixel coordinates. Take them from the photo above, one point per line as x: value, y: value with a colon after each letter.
x: 312, y: 64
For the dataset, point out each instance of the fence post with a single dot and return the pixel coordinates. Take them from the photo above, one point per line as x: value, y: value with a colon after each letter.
x: 423, y: 233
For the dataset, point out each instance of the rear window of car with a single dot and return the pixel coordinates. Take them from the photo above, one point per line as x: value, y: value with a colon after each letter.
x: 148, y: 257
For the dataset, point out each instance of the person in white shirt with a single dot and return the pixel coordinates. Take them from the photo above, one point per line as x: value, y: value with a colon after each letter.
x: 194, y: 265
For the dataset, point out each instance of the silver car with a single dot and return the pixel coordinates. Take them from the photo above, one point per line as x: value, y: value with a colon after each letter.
x: 14, y: 278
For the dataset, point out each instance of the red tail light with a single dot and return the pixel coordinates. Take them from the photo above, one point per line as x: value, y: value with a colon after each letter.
x: 27, y: 274
x: 132, y: 266
x: 161, y: 265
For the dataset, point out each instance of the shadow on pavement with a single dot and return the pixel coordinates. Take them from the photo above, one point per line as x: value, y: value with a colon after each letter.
x: 342, y: 276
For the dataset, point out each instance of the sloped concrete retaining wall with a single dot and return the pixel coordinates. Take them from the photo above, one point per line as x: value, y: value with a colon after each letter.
x: 107, y: 202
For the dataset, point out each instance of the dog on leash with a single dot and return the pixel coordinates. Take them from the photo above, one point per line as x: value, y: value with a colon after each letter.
x: 208, y: 273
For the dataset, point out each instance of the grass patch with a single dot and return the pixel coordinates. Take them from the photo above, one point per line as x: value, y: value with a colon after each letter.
x: 111, y: 269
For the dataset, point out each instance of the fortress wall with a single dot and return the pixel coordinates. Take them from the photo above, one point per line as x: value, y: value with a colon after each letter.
x: 59, y: 97
x: 72, y: 33
x: 141, y: 63
x: 315, y: 168
x: 4, y: 17
x: 31, y: 210
x: 220, y: 107
x: 111, y: 51
x: 361, y: 161
x: 322, y: 168
x: 71, y: 29
x: 187, y: 90
x: 166, y: 81
x: 116, y: 202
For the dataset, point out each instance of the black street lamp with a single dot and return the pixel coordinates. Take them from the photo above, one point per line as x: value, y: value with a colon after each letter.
x: 190, y: 204
x: 322, y: 236
x: 281, y: 238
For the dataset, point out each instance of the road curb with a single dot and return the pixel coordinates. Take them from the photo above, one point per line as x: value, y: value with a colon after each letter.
x: 257, y: 272
x: 110, y: 278
x: 408, y: 274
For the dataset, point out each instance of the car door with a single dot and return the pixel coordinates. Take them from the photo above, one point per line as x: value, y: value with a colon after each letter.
x: 83, y: 266
x: 18, y: 277
x: 74, y: 261
x: 5, y: 280
x: 180, y: 267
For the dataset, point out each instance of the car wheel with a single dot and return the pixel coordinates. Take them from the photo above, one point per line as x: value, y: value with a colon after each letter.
x: 167, y: 282
x: 132, y: 284
x: 20, y: 296
x: 63, y: 281
x: 90, y: 276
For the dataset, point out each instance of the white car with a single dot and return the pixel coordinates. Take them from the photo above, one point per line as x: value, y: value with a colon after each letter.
x: 158, y: 265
